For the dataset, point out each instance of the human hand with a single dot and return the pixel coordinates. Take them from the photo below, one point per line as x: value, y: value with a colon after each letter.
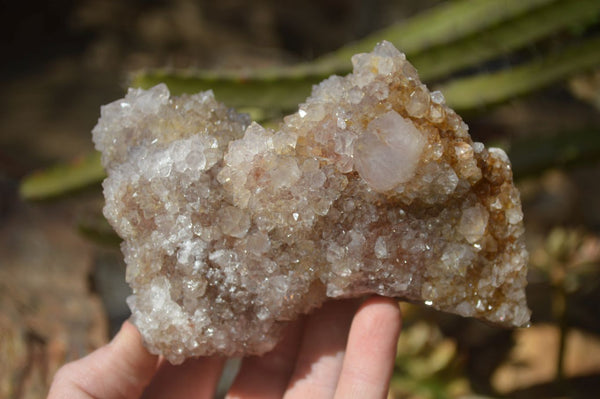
x: 336, y: 352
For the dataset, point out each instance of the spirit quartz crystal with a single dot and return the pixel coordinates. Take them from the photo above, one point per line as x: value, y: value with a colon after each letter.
x: 231, y: 230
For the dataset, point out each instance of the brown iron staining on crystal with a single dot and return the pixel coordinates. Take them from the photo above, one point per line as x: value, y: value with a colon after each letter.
x: 374, y: 186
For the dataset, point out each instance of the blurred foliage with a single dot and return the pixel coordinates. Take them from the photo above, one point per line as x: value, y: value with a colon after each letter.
x: 452, y: 37
x: 568, y: 259
x: 428, y: 365
x: 587, y: 87
x: 435, y: 43
x: 63, y: 178
x: 96, y: 229
x: 484, y: 89
x: 535, y: 154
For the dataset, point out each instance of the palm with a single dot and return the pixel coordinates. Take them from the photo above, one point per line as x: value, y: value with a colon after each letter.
x: 338, y: 351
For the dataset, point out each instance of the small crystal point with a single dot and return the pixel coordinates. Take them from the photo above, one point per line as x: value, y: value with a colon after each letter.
x: 388, y: 152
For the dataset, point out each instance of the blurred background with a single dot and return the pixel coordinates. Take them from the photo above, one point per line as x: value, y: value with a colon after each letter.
x: 525, y: 75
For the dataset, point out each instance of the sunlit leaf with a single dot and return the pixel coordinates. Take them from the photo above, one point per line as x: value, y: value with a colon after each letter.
x: 488, y: 89
x: 501, y: 39
x: 444, y: 24
x: 79, y: 173
x: 440, y: 41
x: 455, y: 31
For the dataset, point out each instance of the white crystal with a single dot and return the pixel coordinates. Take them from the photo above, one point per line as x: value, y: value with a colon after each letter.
x: 473, y: 223
x: 418, y: 102
x: 437, y: 97
x: 381, y: 248
x: 388, y: 152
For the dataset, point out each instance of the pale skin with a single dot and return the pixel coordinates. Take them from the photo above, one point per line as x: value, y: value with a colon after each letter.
x: 346, y: 349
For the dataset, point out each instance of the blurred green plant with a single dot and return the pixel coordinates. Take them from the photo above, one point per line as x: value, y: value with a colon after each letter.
x: 535, y: 154
x: 568, y: 259
x: 428, y: 365
x: 95, y: 227
x: 63, y: 178
x: 456, y: 36
x: 587, y: 87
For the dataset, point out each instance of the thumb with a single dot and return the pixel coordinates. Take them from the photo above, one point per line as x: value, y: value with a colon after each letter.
x: 120, y: 369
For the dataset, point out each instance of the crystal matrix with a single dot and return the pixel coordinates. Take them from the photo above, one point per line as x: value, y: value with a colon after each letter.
x: 374, y: 186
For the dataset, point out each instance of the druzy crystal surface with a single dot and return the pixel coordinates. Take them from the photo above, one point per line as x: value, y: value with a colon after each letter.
x: 231, y: 230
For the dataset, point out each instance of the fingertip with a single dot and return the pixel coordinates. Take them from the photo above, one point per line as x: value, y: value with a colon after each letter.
x: 380, y: 310
x: 136, y: 363
x: 195, y: 378
x: 322, y: 349
x: 129, y: 341
x: 371, y: 349
x: 128, y: 329
x: 120, y: 369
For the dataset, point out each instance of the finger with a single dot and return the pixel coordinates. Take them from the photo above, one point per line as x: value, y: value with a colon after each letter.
x: 322, y: 351
x: 371, y: 350
x: 195, y: 378
x: 120, y: 369
x: 267, y: 376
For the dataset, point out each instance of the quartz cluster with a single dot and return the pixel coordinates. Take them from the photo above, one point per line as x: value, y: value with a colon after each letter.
x: 231, y: 229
